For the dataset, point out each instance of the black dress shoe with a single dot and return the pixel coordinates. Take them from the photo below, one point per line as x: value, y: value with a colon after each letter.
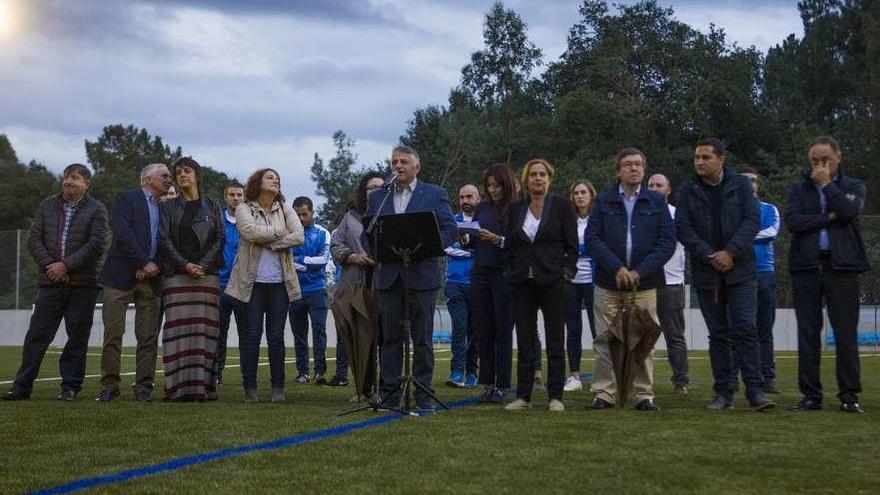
x: 761, y: 403
x: 599, y: 404
x: 67, y: 395
x: 142, y: 396
x: 107, y: 395
x: 647, y: 405
x: 338, y: 381
x: 851, y: 407
x: 720, y: 404
x: 806, y: 405
x: 15, y: 394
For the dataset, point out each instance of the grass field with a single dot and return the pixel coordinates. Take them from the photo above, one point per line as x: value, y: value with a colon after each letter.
x: 473, y: 449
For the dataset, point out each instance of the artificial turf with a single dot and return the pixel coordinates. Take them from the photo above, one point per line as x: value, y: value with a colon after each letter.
x: 473, y: 449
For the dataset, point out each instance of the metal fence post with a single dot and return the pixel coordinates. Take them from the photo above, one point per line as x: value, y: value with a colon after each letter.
x: 17, y: 267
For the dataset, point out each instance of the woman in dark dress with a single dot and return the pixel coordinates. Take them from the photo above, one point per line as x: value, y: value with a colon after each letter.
x: 191, y: 237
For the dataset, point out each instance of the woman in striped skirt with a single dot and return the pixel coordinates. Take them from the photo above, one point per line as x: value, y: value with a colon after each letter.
x: 191, y: 237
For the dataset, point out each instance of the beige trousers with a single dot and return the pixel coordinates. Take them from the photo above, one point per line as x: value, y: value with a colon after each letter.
x: 606, y: 304
x: 146, y: 330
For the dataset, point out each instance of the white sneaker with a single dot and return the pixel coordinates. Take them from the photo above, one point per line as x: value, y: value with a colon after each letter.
x: 573, y: 384
x: 556, y: 405
x: 518, y: 405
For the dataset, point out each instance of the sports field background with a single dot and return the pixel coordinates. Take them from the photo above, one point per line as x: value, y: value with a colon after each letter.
x: 473, y: 449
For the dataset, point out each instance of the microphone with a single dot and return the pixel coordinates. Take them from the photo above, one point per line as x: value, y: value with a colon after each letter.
x: 390, y: 182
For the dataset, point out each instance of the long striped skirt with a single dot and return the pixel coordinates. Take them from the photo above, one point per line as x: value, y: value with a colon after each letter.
x: 189, y: 337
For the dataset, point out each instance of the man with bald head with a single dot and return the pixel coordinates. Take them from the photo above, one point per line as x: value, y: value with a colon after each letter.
x: 459, y: 261
x: 670, y: 300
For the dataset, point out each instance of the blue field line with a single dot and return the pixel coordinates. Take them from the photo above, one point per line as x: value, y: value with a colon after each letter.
x: 182, y: 462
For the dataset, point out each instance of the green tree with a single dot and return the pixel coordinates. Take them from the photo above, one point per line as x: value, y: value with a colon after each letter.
x: 119, y: 154
x: 498, y: 76
x: 336, y: 181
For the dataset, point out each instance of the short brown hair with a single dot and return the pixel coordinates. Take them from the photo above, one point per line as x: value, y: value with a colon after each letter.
x: 187, y: 161
x: 627, y: 152
x: 531, y: 163
x: 232, y: 185
x: 252, y: 189
x: 79, y: 168
x: 830, y: 141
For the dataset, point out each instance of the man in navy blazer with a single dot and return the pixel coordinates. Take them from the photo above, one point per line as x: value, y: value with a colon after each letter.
x: 631, y: 236
x: 131, y: 273
x: 423, y: 277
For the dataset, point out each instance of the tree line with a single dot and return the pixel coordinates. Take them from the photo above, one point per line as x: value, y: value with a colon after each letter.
x: 634, y: 75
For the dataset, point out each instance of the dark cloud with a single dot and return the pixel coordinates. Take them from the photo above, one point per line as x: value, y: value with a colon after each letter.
x: 349, y: 11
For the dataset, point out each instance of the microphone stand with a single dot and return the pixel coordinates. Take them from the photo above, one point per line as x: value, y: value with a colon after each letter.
x: 375, y: 402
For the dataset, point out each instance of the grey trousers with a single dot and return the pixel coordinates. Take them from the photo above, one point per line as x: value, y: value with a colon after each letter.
x: 670, y: 312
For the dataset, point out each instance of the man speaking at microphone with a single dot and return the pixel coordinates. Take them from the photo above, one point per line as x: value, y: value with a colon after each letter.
x: 409, y: 195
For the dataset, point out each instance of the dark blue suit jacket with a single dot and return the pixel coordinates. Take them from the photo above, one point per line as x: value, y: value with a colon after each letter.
x: 130, y: 249
x: 423, y: 275
x: 653, y: 237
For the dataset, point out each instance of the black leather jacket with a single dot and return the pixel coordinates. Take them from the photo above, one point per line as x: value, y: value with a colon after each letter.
x: 208, y: 227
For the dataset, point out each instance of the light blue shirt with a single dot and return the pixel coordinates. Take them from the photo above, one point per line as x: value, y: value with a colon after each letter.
x: 153, y: 208
x: 629, y: 202
x: 823, y: 234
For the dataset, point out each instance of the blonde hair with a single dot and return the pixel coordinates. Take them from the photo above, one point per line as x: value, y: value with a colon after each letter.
x: 528, y: 167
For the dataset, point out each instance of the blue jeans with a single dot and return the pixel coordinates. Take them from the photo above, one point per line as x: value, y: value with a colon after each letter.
x: 730, y: 316
x: 268, y: 301
x: 764, y: 320
x: 312, y: 306
x: 577, y: 296
x: 229, y: 306
x: 464, y: 346
x: 76, y: 305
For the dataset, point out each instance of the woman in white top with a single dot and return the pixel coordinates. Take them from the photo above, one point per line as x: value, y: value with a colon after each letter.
x: 579, y: 292
x: 263, y: 276
x: 540, y: 251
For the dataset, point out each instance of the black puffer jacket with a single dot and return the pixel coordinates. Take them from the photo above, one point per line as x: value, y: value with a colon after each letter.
x: 208, y: 227
x: 87, y: 238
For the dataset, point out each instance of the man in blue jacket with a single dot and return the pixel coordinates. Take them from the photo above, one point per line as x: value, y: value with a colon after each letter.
x: 229, y: 306
x: 630, y: 236
x: 827, y: 255
x: 310, y: 261
x: 409, y: 195
x: 459, y: 261
x: 766, y: 264
x: 131, y: 273
x: 717, y: 220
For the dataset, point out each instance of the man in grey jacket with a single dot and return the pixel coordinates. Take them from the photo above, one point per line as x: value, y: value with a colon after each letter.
x: 67, y: 241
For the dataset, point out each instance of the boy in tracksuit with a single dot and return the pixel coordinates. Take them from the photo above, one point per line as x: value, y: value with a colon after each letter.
x: 310, y: 261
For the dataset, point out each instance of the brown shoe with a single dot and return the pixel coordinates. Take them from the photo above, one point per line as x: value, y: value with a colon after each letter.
x: 680, y: 389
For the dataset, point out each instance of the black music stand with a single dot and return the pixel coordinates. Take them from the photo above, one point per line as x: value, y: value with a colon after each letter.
x: 405, y: 238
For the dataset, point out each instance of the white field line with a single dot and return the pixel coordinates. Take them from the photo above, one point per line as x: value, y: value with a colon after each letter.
x: 293, y: 360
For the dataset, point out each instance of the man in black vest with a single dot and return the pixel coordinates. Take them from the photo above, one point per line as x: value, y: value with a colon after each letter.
x: 827, y: 254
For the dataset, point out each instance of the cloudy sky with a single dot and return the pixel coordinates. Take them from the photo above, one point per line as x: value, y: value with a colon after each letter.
x: 240, y: 84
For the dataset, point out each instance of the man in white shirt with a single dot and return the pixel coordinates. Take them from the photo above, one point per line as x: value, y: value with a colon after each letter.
x: 670, y: 300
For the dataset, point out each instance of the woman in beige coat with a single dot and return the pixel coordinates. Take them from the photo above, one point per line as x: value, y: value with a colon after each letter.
x: 263, y: 276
